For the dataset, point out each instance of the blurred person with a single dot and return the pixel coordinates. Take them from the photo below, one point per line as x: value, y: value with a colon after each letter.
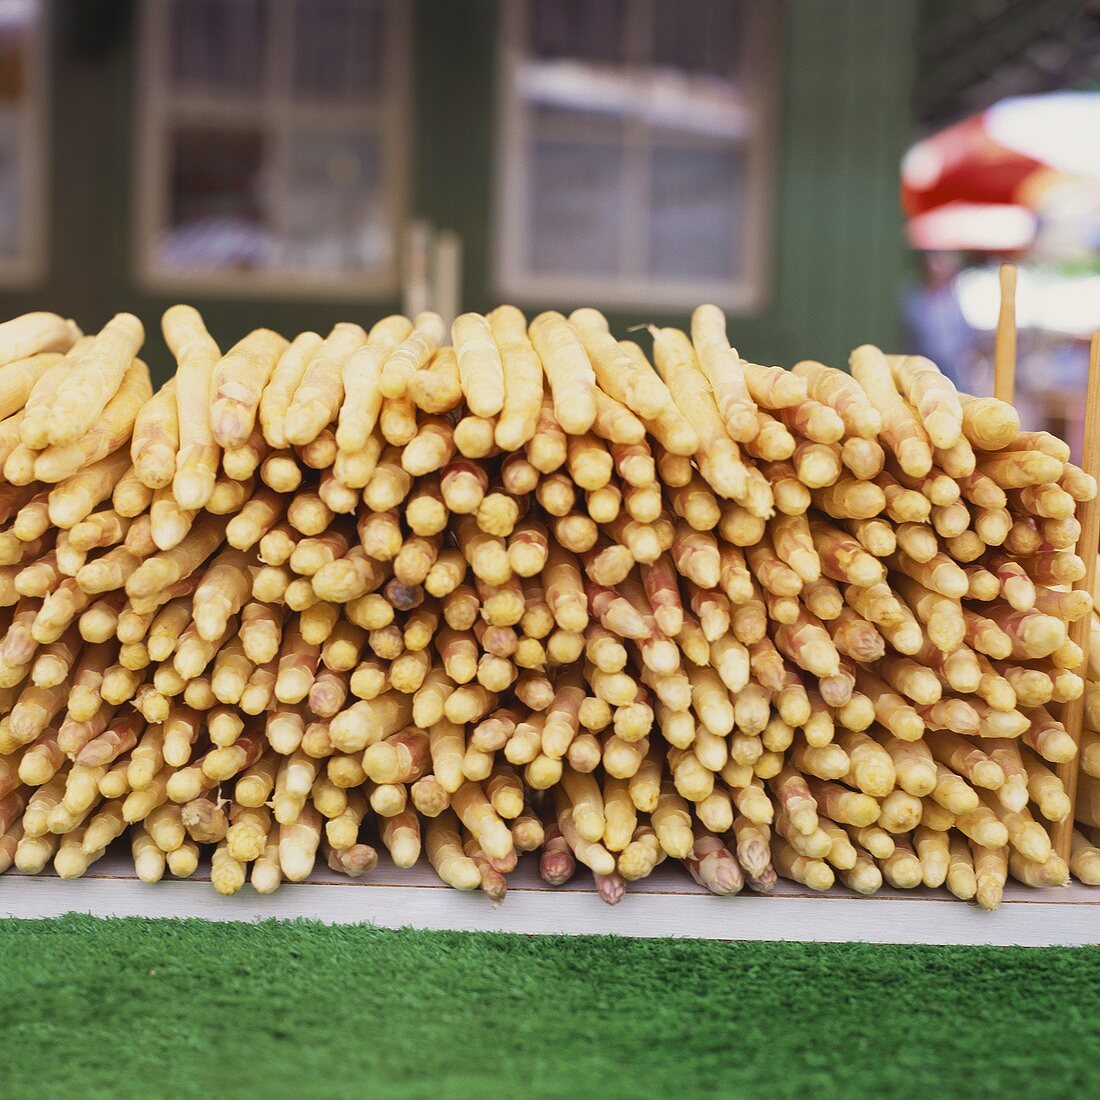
x: 933, y: 318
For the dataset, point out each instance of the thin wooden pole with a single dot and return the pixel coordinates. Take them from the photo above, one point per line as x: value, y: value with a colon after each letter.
x: 1004, y: 342
x: 1073, y: 712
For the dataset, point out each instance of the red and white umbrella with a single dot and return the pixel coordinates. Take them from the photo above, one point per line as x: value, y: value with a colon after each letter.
x: 985, y: 183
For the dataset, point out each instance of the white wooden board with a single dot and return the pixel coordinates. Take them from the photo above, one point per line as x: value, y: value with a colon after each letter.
x: 666, y: 904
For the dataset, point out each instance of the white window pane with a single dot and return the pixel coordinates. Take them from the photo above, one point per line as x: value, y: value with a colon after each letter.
x: 339, y: 47
x: 334, y: 211
x: 579, y: 30
x: 575, y: 208
x: 694, y: 232
x: 276, y: 156
x: 219, y: 44
x: 11, y: 199
x: 699, y: 37
x: 216, y: 201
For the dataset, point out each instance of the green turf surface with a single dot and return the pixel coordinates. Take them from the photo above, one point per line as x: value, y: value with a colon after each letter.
x: 145, y: 1008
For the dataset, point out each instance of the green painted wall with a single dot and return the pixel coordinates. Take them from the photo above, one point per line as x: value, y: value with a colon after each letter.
x: 839, y: 253
x: 847, y: 121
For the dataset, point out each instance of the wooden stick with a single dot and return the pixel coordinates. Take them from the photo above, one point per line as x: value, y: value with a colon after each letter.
x: 1088, y: 514
x: 1004, y: 343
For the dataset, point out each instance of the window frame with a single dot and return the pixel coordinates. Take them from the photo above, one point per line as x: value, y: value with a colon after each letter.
x: 745, y: 294
x: 30, y: 266
x: 159, y: 105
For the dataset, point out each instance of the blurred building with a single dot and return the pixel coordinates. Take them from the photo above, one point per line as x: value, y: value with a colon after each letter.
x: 285, y: 162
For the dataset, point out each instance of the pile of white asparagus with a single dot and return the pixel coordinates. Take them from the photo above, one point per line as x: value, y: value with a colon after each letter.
x: 533, y: 590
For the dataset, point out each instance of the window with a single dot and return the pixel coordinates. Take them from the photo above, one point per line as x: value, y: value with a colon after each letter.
x: 634, y: 154
x: 272, y: 153
x: 23, y: 138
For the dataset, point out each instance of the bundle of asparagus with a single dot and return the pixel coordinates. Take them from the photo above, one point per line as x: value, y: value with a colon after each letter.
x: 531, y: 592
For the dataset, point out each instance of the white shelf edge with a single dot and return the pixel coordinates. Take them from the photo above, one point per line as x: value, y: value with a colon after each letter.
x: 666, y: 905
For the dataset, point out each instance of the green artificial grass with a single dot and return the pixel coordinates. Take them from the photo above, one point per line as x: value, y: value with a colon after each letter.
x: 146, y: 1008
